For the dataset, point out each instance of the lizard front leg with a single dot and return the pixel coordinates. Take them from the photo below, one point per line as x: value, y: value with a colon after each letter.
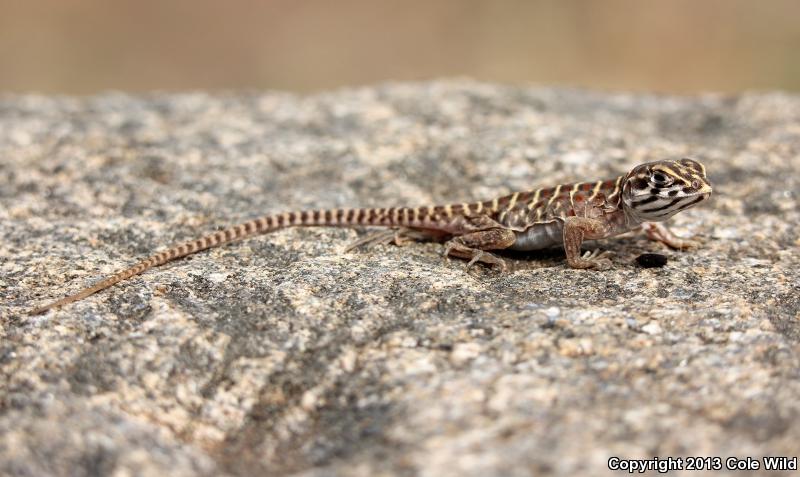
x: 472, y: 246
x: 578, y: 229
x: 660, y: 232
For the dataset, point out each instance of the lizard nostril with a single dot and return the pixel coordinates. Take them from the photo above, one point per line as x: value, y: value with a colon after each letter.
x: 696, y: 184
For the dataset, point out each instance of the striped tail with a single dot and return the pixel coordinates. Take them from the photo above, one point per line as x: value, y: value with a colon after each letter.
x: 409, y: 217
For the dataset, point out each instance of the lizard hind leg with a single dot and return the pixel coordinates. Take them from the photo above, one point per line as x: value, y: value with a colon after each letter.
x: 473, y: 246
x: 401, y: 236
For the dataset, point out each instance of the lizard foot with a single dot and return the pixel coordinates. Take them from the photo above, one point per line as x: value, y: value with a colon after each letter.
x: 659, y: 232
x: 399, y: 237
x: 686, y: 243
x: 596, y: 260
x: 475, y: 256
x: 472, y: 246
x: 489, y: 259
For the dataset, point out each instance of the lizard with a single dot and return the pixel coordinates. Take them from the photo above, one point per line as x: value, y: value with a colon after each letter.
x: 566, y: 214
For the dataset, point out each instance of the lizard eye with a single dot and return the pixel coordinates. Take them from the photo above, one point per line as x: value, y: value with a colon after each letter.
x: 660, y: 179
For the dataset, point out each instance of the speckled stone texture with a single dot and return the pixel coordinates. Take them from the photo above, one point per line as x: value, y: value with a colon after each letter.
x: 284, y: 355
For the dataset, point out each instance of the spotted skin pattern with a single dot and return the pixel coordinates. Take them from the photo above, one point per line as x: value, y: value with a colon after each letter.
x: 566, y: 214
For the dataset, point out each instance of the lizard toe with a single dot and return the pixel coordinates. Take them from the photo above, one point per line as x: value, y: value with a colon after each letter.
x: 601, y: 264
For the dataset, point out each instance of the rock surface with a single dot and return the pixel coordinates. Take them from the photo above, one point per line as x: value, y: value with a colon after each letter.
x: 283, y: 355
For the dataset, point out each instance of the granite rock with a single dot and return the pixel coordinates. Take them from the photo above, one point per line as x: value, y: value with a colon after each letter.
x: 283, y: 355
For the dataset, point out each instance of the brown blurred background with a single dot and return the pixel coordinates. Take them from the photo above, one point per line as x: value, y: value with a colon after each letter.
x: 683, y: 46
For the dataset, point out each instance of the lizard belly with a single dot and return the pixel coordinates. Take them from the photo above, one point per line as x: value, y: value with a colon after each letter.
x: 540, y: 236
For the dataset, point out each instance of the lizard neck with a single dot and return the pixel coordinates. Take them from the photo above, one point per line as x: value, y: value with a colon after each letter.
x: 619, y: 221
x: 631, y: 219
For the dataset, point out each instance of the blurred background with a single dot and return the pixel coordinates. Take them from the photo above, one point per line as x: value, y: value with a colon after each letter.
x: 677, y: 46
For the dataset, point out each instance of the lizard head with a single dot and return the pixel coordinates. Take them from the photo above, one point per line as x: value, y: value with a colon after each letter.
x: 656, y: 191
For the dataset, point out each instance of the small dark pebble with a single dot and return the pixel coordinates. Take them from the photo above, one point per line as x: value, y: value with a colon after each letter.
x: 651, y: 260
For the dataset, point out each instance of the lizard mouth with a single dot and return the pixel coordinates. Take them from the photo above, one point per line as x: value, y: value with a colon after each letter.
x: 701, y: 194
